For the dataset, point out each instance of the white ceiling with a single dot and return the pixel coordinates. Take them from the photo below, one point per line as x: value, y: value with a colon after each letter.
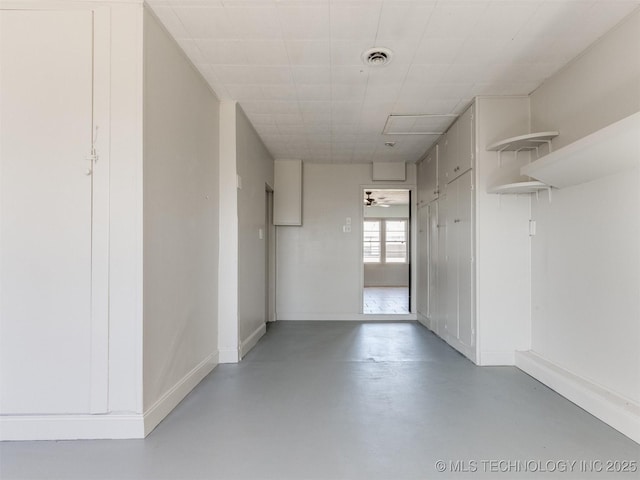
x: 295, y: 65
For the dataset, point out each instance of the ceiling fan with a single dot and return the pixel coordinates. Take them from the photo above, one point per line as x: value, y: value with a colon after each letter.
x: 369, y: 201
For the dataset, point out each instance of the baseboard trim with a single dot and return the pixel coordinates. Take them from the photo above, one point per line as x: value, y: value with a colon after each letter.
x: 424, y: 320
x: 497, y: 358
x: 250, y: 342
x: 71, y: 427
x: 345, y: 317
x: 469, y: 352
x: 229, y: 356
x: 614, y: 410
x: 163, y: 406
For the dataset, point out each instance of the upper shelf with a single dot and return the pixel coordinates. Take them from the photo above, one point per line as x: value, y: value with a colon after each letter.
x: 610, y: 150
x: 530, y: 141
x: 518, y: 188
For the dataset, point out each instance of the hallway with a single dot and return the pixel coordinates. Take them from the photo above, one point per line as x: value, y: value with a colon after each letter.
x: 350, y: 400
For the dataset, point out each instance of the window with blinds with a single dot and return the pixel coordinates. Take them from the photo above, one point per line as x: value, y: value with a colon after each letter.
x: 385, y: 240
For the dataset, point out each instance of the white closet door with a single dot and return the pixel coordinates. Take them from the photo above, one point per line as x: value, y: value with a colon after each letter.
x: 45, y: 211
x: 451, y: 293
x: 432, y: 272
x: 442, y: 265
x: 431, y: 175
x: 464, y: 234
x: 423, y: 261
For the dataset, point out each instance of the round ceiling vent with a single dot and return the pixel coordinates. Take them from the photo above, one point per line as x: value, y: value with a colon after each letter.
x: 377, y: 57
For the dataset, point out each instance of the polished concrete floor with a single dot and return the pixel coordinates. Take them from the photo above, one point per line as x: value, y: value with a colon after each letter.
x: 317, y: 400
x: 385, y: 300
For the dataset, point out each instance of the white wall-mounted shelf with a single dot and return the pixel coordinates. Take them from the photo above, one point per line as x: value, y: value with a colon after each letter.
x: 610, y: 150
x: 530, y: 141
x: 519, y: 188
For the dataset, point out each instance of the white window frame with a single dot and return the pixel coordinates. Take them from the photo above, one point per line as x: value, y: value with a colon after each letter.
x: 383, y: 239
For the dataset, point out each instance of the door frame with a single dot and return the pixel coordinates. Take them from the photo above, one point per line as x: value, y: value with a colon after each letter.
x: 270, y: 253
x: 411, y: 241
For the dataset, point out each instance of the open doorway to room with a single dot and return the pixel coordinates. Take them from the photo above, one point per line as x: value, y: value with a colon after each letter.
x: 270, y: 256
x: 386, y: 251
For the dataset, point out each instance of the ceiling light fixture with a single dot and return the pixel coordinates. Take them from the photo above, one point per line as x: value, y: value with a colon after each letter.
x: 377, y: 57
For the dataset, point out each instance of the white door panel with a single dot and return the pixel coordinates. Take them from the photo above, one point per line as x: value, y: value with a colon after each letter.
x: 423, y: 261
x: 432, y: 275
x: 452, y: 262
x: 442, y: 268
x: 465, y: 267
x: 46, y: 103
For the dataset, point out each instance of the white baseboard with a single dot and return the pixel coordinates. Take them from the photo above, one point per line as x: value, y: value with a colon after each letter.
x: 616, y: 411
x: 469, y: 352
x: 229, y: 356
x: 107, y: 426
x: 163, y: 406
x: 252, y: 339
x: 497, y: 358
x: 345, y: 317
x: 424, y: 320
x: 71, y: 427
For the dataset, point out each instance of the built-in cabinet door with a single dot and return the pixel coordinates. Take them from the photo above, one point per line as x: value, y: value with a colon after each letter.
x: 422, y: 183
x: 464, y: 261
x: 52, y: 337
x: 461, y: 145
x: 441, y: 303
x: 466, y: 143
x: 451, y: 292
x: 453, y: 150
x: 454, y: 286
x: 444, y: 149
x: 423, y: 261
x: 430, y: 164
x: 432, y: 272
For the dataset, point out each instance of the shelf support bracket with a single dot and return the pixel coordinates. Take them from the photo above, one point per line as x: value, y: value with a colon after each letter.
x: 500, y: 155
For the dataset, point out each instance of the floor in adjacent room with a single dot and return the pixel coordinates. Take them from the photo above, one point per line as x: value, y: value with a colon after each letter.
x: 386, y: 300
x: 346, y: 400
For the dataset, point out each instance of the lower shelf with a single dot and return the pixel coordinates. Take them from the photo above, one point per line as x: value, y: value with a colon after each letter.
x: 519, y: 188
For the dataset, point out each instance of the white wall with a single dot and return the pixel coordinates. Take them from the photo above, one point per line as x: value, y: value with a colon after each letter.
x: 319, y: 267
x: 386, y: 275
x: 228, y: 342
x: 586, y: 255
x: 255, y: 167
x: 180, y: 218
x: 503, y: 288
x: 125, y: 208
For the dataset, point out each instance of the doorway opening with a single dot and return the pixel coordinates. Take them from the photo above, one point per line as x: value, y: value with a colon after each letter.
x: 270, y: 256
x: 386, y: 251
